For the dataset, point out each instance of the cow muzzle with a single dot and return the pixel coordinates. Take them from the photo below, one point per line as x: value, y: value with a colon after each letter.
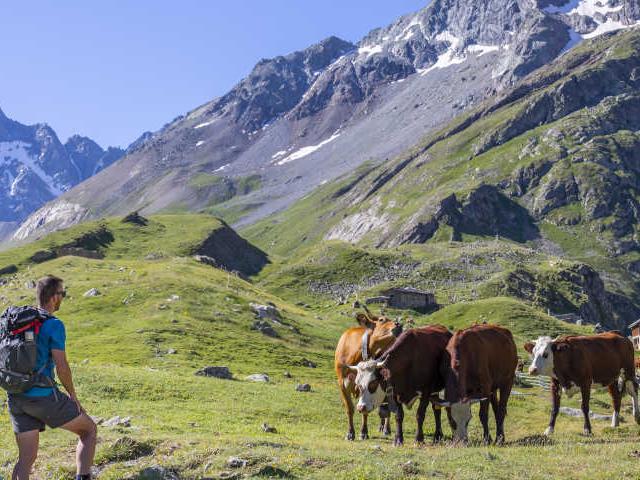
x: 533, y: 371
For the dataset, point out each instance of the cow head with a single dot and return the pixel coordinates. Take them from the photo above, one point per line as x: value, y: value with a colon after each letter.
x: 383, y: 331
x: 370, y: 385
x: 542, y: 352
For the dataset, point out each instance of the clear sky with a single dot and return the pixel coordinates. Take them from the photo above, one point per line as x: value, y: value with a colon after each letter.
x: 112, y: 69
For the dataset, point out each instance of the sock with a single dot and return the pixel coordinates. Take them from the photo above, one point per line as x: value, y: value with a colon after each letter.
x: 86, y: 476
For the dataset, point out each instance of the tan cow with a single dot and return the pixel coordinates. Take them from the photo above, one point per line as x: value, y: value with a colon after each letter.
x: 371, y: 338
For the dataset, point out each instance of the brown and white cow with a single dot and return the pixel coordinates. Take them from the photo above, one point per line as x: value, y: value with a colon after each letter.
x: 371, y: 338
x: 576, y: 362
x: 408, y: 372
x: 480, y: 361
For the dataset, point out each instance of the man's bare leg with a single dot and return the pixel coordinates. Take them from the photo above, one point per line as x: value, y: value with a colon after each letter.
x: 86, y: 429
x: 27, y: 453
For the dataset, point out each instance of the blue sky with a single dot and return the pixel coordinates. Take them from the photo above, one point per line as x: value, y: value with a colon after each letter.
x: 113, y: 69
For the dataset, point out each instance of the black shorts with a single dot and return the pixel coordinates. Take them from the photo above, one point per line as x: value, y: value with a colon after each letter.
x: 33, y: 413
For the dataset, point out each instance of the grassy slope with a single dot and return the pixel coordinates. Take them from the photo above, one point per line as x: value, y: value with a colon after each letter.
x: 120, y: 360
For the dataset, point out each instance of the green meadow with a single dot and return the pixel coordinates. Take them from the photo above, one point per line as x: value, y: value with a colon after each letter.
x: 161, y: 316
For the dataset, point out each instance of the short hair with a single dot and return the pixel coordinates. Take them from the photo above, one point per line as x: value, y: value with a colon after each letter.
x: 46, y: 288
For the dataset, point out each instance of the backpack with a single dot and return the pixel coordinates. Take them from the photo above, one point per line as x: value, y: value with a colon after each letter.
x: 19, y: 329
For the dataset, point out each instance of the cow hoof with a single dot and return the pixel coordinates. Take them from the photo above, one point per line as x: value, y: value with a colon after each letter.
x: 487, y: 440
x: 386, y: 432
x: 398, y: 442
x: 587, y: 433
x: 351, y: 436
x: 548, y: 432
x: 500, y: 440
x: 364, y: 436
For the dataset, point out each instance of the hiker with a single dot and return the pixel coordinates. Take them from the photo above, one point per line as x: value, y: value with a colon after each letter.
x: 44, y: 405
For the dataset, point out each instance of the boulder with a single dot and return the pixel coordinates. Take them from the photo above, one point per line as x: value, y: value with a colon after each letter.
x: 258, y: 377
x: 576, y: 412
x: 266, y: 428
x: 156, y: 472
x: 266, y: 312
x: 216, y: 372
x: 237, y: 462
x: 264, y: 328
x: 94, y: 292
x: 308, y: 363
x: 303, y: 387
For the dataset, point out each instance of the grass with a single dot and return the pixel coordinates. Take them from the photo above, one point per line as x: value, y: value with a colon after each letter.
x: 119, y: 344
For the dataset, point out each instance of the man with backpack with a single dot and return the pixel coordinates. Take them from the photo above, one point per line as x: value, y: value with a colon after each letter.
x: 34, y: 399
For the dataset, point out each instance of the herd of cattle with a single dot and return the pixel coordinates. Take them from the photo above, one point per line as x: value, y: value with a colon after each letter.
x: 388, y: 369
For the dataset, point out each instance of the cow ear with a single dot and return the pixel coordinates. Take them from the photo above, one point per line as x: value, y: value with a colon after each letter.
x: 385, y: 373
x: 364, y: 321
x: 559, y: 347
x: 529, y: 347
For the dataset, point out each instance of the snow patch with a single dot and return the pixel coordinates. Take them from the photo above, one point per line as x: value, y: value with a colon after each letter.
x: 201, y: 142
x: 281, y: 153
x: 305, y: 151
x: 224, y: 167
x: 481, y: 50
x: 369, y: 50
x: 202, y: 125
x: 608, y: 26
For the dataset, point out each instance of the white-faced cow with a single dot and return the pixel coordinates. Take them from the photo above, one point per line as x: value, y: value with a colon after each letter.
x: 371, y: 338
x: 576, y: 362
x: 408, y: 372
x: 480, y: 361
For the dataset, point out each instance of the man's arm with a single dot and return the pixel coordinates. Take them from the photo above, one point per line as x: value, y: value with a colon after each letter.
x: 64, y: 373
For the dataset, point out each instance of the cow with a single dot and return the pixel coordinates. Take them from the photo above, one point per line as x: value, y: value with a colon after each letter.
x: 409, y: 371
x: 479, y: 362
x: 371, y: 338
x: 576, y: 362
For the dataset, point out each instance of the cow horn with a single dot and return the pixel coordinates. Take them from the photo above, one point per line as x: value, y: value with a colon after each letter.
x: 381, y: 364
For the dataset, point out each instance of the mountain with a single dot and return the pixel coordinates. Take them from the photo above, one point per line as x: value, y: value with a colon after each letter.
x: 35, y: 167
x: 301, y: 120
x: 552, y: 164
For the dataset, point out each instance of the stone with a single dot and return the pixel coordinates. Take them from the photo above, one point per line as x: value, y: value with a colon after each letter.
x: 173, y: 298
x: 94, y: 292
x: 303, y: 387
x: 216, y: 372
x: 308, y: 363
x: 237, y: 462
x: 258, y: 377
x: 266, y: 312
x: 264, y: 328
x: 576, y: 412
x: 171, y: 351
x: 30, y: 285
x: 117, y: 421
x: 287, y: 375
x: 266, y: 428
x: 156, y: 472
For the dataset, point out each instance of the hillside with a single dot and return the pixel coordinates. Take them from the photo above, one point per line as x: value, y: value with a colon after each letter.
x: 550, y: 165
x: 158, y: 319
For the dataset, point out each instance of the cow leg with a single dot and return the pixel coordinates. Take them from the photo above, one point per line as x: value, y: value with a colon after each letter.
x: 586, y: 396
x: 387, y: 426
x: 632, y: 389
x: 348, y: 405
x: 399, y: 440
x: 437, y: 416
x: 495, y: 406
x: 505, y: 393
x: 616, y: 397
x: 420, y: 414
x: 452, y: 422
x: 364, y: 431
x: 556, y: 392
x: 484, y: 420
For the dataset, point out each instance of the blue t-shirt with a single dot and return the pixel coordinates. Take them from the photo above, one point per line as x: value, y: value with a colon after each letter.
x: 52, y: 337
